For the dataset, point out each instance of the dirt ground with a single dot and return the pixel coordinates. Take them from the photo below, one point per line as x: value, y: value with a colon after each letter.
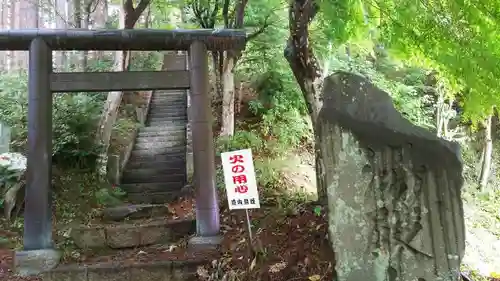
x: 285, y: 247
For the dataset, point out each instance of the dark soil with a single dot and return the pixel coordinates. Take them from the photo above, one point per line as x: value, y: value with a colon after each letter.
x: 285, y: 247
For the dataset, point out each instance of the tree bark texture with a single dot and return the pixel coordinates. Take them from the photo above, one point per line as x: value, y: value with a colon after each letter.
x: 128, y: 18
x: 487, y: 153
x: 307, y: 72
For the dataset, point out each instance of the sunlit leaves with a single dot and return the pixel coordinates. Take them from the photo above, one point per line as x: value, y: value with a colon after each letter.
x: 459, y: 39
x: 341, y: 19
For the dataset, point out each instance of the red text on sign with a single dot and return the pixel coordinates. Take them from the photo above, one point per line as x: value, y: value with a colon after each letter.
x: 238, y: 169
x: 236, y: 159
x: 239, y: 179
x: 241, y: 189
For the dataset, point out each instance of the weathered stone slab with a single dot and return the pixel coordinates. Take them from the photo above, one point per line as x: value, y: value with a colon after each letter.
x: 393, y: 188
x: 125, y: 236
x: 138, y: 211
x: 151, y: 271
x: 132, y: 234
x: 33, y: 262
x: 89, y: 237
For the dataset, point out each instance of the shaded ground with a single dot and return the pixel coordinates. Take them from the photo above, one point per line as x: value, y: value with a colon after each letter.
x: 289, y: 244
x: 290, y: 238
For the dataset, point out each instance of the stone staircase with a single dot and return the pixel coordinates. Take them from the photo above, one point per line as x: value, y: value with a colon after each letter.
x: 156, y: 170
x: 154, y: 176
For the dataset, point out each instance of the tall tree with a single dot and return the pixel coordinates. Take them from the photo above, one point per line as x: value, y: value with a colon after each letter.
x: 129, y: 15
x: 458, y: 39
x: 207, y: 15
x: 61, y: 19
x: 307, y: 72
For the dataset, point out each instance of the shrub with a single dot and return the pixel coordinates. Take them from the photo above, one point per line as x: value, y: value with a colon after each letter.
x: 74, y: 121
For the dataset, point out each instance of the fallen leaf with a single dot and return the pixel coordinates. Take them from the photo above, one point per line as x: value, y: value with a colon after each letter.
x: 253, y: 263
x: 202, y: 272
x: 277, y: 267
x: 315, y: 277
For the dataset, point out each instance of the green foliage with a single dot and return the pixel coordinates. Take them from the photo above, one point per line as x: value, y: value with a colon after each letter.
x: 458, y: 38
x: 74, y: 121
x: 146, y: 61
x: 240, y: 140
x: 406, y: 84
x: 110, y: 197
x: 8, y: 179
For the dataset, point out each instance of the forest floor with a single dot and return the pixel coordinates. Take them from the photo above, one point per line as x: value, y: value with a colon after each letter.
x: 288, y: 246
x: 290, y: 238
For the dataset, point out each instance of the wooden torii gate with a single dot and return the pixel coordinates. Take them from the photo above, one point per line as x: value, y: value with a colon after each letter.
x: 42, y: 82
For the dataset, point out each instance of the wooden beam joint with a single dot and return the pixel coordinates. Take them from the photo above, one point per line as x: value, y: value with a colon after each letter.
x: 119, y: 81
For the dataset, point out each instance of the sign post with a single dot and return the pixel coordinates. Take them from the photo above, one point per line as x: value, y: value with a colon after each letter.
x: 241, y: 184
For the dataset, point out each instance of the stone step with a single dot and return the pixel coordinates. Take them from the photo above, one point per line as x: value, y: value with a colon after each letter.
x: 177, y: 162
x: 161, y: 130
x: 152, y: 172
x: 167, y: 112
x: 166, y: 178
x: 169, y: 100
x: 160, y: 117
x: 161, y: 138
x: 153, y: 149
x: 171, y: 94
x: 171, y: 115
x: 132, y: 233
x: 178, y: 109
x: 158, y: 121
x: 159, y: 187
x: 151, y: 270
x: 164, y: 125
x: 154, y: 197
x: 145, y: 156
x: 162, y: 146
x: 139, y: 211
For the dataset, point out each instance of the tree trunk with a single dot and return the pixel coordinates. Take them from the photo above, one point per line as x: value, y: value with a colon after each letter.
x: 76, y: 59
x: 61, y: 57
x: 3, y: 25
x: 128, y: 17
x: 100, y: 19
x: 229, y: 61
x: 14, y: 14
x: 307, y: 72
x: 88, y: 5
x: 227, y: 122
x: 487, y: 154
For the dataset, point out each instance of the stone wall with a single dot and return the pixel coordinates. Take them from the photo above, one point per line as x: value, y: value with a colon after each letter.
x: 133, y: 271
x: 394, y: 189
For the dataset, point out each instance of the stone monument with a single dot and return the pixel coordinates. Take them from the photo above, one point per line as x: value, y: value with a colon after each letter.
x: 394, y: 189
x: 4, y: 138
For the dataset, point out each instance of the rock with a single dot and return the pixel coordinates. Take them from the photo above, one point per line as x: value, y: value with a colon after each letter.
x: 139, y: 211
x: 395, y: 186
x: 29, y: 263
x: 89, y: 237
x: 12, y: 169
x: 132, y: 234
